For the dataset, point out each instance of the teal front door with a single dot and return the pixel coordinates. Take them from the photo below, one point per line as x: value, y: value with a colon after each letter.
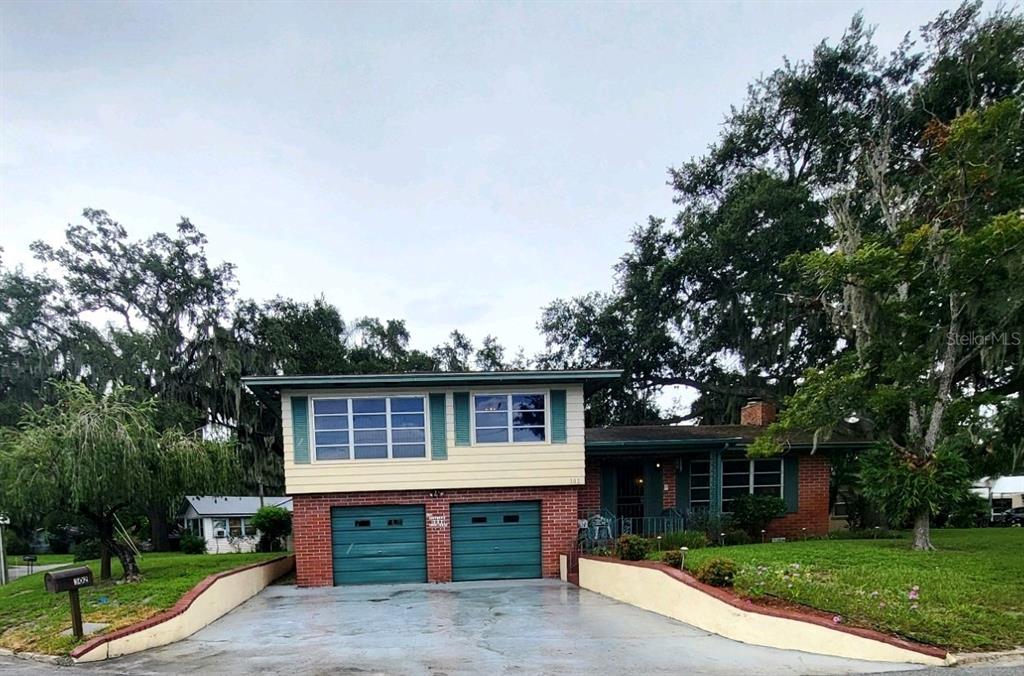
x: 379, y: 545
x: 495, y: 541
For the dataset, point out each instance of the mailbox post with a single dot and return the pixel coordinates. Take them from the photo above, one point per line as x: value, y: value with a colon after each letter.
x: 70, y: 580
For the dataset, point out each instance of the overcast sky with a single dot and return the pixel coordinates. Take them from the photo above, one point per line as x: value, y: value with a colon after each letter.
x: 455, y: 165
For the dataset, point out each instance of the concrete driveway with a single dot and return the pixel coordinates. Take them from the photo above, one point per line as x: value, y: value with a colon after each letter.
x: 532, y: 627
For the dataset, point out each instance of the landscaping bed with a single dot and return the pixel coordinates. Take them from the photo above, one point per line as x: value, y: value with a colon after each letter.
x: 968, y: 595
x: 31, y: 619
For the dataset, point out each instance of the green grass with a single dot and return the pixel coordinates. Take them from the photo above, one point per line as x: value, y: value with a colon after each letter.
x: 970, y: 591
x: 31, y: 619
x: 41, y: 559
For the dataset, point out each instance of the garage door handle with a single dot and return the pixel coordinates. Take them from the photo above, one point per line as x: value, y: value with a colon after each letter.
x: 495, y: 549
x: 380, y: 551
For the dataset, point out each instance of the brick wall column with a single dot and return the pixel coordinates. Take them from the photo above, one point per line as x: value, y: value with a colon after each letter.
x: 668, y: 472
x: 311, y: 519
x: 812, y: 506
x: 439, y: 540
x: 589, y: 500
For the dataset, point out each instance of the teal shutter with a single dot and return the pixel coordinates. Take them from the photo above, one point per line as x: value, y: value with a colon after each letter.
x: 791, y: 482
x: 300, y: 429
x: 558, y: 434
x: 683, y: 486
x: 654, y: 485
x: 461, y: 404
x: 715, y: 505
x: 608, y: 489
x: 438, y: 440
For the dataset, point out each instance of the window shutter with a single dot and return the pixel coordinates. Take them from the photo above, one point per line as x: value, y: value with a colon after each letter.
x: 791, y: 482
x: 558, y: 433
x: 461, y: 405
x: 683, y: 487
x: 608, y: 492
x: 438, y: 441
x: 300, y: 430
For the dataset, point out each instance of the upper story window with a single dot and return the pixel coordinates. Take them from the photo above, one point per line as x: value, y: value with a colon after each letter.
x: 369, y: 428
x: 504, y: 418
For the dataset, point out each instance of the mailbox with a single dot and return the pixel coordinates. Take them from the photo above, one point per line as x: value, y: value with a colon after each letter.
x: 30, y: 558
x: 70, y: 579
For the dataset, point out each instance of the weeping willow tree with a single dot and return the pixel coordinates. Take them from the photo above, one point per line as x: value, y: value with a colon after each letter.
x: 99, y: 456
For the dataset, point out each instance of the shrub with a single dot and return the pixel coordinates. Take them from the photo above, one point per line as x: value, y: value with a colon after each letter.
x: 14, y: 543
x: 736, y: 537
x: 717, y: 572
x: 691, y: 539
x: 753, y: 513
x: 273, y: 523
x: 632, y: 548
x: 86, y: 550
x: 970, y: 512
x: 707, y: 522
x: 192, y: 543
x: 672, y: 558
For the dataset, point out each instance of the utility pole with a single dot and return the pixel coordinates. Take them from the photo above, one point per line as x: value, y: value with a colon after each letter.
x: 4, y: 521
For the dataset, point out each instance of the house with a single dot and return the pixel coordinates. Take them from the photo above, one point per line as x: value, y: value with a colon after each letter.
x: 225, y: 521
x: 437, y: 477
x: 1002, y: 493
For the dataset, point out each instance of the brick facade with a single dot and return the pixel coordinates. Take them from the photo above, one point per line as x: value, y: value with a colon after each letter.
x: 668, y: 472
x: 311, y: 525
x: 812, y: 506
x: 590, y: 492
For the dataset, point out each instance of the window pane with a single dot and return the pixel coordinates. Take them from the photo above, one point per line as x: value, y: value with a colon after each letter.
x: 485, y: 436
x: 700, y: 467
x: 700, y: 494
x: 364, y: 422
x: 332, y: 452
x: 407, y: 404
x: 767, y: 479
x: 527, y: 402
x: 528, y: 434
x: 490, y: 403
x: 409, y: 451
x: 331, y: 438
x: 491, y: 420
x: 735, y: 466
x: 406, y: 436
x: 330, y: 406
x: 365, y: 452
x: 250, y: 530
x: 700, y: 481
x: 368, y: 405
x: 734, y: 491
x: 235, y: 527
x: 370, y: 436
x: 768, y: 490
x: 407, y: 420
x: 330, y: 422
x: 533, y: 419
x: 768, y: 465
x: 735, y: 480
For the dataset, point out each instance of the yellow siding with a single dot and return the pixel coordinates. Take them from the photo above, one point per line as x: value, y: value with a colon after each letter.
x: 485, y: 466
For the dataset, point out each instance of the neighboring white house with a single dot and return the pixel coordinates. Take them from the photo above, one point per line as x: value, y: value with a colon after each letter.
x: 1002, y: 492
x: 225, y: 520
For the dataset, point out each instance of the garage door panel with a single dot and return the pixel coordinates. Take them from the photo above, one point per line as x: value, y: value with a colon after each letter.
x: 377, y: 545
x: 492, y: 541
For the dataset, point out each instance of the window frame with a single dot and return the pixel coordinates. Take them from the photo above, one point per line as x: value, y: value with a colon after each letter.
x: 509, y: 427
x: 750, y: 485
x: 387, y: 397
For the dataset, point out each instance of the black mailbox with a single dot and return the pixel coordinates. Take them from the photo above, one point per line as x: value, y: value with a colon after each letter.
x: 29, y: 558
x: 69, y: 579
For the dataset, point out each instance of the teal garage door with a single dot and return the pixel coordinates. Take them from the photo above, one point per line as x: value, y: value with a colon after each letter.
x: 379, y: 545
x: 495, y: 540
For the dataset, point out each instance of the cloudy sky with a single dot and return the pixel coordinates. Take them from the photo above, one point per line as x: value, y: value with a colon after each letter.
x: 456, y: 165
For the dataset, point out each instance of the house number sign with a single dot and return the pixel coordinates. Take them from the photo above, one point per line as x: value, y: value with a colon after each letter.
x: 437, y: 520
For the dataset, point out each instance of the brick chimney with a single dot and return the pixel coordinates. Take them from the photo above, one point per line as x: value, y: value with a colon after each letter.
x: 757, y: 413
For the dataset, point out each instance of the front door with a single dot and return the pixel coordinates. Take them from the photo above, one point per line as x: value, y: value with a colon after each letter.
x: 630, y: 490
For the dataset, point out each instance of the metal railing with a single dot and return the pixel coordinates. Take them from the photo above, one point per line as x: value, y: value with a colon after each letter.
x: 601, y: 528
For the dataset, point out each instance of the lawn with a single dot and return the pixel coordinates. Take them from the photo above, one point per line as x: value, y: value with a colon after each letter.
x: 41, y: 559
x: 968, y: 595
x: 31, y: 619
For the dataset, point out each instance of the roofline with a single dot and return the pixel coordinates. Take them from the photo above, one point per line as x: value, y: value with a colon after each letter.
x: 725, y: 443
x: 591, y: 379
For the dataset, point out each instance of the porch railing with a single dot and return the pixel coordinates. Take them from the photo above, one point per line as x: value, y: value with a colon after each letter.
x: 601, y: 528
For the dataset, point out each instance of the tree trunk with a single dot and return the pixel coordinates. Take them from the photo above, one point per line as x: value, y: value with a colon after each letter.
x: 158, y: 529
x: 127, y: 558
x: 922, y: 532
x: 106, y: 531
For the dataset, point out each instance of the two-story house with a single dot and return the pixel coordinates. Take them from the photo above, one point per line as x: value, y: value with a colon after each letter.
x: 437, y: 477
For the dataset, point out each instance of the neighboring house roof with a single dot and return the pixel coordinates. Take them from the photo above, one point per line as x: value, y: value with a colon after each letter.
x: 1004, y: 485
x: 268, y: 387
x: 234, y: 505
x: 666, y: 437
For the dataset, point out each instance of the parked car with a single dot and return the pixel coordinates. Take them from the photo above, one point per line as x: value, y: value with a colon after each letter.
x: 1012, y: 517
